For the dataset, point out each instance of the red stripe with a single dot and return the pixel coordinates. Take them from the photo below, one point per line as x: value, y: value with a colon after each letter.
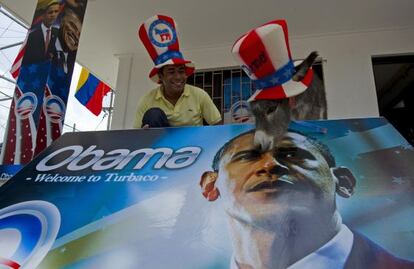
x: 283, y: 24
x: 307, y: 80
x: 9, y: 263
x: 26, y: 144
x: 143, y: 35
x: 250, y: 55
x: 55, y: 128
x: 41, y: 140
x: 10, y: 147
x: 15, y: 69
x: 16, y: 73
x: 95, y: 103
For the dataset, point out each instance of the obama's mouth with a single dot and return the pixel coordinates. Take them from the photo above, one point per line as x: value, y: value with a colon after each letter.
x: 271, y: 185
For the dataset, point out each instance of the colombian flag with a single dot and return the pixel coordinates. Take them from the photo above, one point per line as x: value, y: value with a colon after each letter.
x: 90, y: 91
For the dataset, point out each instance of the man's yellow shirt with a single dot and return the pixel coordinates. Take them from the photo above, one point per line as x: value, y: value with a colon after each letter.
x: 192, y: 107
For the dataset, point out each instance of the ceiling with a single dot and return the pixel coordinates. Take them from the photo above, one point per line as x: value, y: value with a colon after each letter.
x: 110, y: 27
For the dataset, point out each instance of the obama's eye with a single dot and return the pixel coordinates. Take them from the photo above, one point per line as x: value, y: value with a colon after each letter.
x: 293, y: 154
x: 247, y: 155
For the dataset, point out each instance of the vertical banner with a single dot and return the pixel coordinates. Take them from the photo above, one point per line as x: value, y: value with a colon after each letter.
x: 39, y: 102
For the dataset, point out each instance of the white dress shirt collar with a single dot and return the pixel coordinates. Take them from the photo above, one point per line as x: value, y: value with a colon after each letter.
x: 332, y: 255
x: 44, y: 29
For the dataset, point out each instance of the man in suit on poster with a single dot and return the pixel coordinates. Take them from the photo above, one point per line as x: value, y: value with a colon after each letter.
x: 42, y: 37
x: 68, y: 40
x: 281, y: 207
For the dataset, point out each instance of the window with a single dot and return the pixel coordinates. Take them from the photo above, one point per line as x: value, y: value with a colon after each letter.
x: 230, y: 88
x: 394, y: 82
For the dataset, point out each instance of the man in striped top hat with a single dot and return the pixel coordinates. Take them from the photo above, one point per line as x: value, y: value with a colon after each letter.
x: 173, y: 102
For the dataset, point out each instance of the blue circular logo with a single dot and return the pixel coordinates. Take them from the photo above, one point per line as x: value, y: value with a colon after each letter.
x: 162, y: 34
x: 27, y: 231
x: 54, y: 108
x: 26, y: 105
x: 240, y: 111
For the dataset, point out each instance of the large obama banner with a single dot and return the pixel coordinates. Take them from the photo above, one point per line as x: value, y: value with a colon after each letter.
x: 163, y: 198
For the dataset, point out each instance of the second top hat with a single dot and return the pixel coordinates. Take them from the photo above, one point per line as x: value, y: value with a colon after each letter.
x: 265, y: 56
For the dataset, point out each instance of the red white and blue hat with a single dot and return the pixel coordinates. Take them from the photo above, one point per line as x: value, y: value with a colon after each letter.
x: 159, y: 36
x: 264, y: 54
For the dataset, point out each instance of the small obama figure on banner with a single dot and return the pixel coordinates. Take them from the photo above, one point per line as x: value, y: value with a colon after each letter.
x: 42, y: 36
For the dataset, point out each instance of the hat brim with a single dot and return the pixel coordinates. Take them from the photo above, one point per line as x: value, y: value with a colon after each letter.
x: 288, y: 89
x: 189, y: 68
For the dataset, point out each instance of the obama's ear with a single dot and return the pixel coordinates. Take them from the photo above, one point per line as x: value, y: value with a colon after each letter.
x: 207, y: 184
x: 345, y: 181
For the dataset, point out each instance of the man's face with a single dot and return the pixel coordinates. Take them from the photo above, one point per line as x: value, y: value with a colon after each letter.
x: 173, y: 78
x: 51, y: 14
x: 71, y: 28
x: 292, y: 178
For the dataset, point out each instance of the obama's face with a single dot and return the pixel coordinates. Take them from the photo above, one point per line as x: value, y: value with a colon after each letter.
x: 71, y: 28
x: 292, y: 177
x: 51, y: 14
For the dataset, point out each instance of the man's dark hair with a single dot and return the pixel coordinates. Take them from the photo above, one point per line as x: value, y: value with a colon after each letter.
x: 322, y: 148
x: 51, y: 4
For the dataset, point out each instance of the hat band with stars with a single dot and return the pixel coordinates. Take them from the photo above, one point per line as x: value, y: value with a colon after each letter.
x: 277, y: 78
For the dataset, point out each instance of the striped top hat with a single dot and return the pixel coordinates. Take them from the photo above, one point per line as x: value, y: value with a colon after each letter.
x: 264, y: 54
x: 159, y: 36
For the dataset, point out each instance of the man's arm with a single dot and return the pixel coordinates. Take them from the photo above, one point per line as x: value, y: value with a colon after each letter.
x: 141, y: 108
x: 209, y: 110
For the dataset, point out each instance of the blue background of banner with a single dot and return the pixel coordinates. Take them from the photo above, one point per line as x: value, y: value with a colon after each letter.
x: 170, y: 214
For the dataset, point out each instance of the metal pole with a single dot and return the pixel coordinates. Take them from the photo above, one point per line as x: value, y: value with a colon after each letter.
x: 13, y: 19
x: 11, y: 45
x: 7, y: 79
x: 110, y: 111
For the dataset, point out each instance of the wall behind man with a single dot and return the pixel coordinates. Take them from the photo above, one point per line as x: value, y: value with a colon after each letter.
x: 347, y: 67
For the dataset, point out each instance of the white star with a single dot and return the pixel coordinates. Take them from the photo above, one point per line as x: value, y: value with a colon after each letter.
x: 274, y: 80
x: 287, y: 73
x: 398, y: 180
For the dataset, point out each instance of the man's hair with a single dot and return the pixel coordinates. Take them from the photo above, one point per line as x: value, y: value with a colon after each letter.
x: 45, y: 9
x: 69, y: 12
x: 160, y: 70
x: 322, y: 148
